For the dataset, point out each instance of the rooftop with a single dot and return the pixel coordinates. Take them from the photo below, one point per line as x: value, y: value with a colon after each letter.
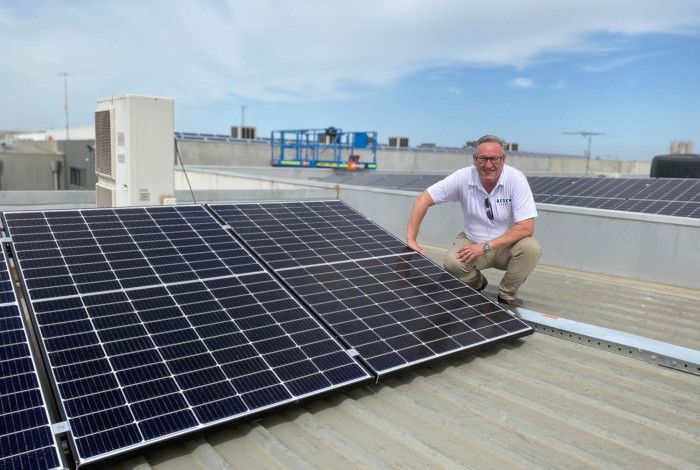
x: 540, y: 401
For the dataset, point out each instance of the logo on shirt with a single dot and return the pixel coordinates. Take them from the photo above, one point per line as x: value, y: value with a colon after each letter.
x: 503, y: 201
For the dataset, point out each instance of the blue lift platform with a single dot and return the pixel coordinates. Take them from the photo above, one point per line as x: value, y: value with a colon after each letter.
x: 324, y: 148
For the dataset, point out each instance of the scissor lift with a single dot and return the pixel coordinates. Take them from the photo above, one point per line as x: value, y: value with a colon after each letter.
x: 324, y: 148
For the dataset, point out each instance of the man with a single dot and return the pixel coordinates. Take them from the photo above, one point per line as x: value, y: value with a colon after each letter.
x: 499, y: 217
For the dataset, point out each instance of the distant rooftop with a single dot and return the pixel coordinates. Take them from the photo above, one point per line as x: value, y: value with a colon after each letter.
x: 429, y: 148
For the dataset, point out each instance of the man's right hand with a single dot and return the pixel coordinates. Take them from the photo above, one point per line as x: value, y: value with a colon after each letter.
x: 413, y: 244
x: 420, y: 207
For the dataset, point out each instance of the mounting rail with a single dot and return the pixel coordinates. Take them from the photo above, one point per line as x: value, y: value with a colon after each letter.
x: 619, y: 342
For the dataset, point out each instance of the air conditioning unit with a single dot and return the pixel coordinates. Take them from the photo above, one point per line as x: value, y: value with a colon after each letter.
x: 134, y: 151
x: 401, y: 142
x: 242, y: 132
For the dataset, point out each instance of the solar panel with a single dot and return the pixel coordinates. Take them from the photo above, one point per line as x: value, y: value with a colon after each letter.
x: 399, y: 311
x: 156, y: 322
x: 394, y: 307
x: 26, y: 438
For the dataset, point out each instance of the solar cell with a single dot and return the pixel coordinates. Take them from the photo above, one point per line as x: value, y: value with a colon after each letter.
x: 393, y: 306
x: 26, y: 438
x: 156, y: 322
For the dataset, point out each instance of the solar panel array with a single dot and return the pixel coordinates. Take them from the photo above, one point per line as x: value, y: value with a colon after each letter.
x: 26, y: 438
x: 668, y: 196
x: 156, y: 322
x: 394, y: 307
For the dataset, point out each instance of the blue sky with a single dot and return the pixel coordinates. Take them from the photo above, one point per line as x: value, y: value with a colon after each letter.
x: 440, y: 71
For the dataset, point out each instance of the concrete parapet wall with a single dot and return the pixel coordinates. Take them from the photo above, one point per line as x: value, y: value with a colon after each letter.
x: 271, y: 171
x: 257, y: 154
x: 45, y: 200
x: 211, y: 180
x: 224, y: 153
x: 420, y: 161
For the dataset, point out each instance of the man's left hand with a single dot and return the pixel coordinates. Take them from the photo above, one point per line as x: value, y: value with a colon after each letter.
x: 469, y: 253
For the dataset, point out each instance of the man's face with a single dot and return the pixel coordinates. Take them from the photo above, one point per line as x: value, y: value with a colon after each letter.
x: 489, y: 159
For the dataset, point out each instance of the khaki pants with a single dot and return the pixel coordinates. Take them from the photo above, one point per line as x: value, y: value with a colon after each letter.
x: 517, y: 261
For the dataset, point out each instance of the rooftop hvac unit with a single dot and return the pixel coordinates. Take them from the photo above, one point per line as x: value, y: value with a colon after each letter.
x: 134, y: 151
x: 242, y: 132
x: 398, y: 142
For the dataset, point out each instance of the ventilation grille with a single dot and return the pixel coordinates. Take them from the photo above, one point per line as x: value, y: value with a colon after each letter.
x: 103, y: 144
x: 104, y: 196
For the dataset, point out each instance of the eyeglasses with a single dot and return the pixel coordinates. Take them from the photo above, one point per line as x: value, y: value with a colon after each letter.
x: 493, y: 160
x: 489, y: 211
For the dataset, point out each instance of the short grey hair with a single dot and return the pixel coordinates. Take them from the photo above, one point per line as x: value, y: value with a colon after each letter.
x: 492, y: 138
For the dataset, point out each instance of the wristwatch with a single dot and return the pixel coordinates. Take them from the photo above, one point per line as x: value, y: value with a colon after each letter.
x: 486, y: 246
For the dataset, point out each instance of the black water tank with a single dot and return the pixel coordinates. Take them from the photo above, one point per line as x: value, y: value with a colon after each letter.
x: 675, y: 166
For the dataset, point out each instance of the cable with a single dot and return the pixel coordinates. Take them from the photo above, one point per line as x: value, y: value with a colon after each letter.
x: 182, y: 165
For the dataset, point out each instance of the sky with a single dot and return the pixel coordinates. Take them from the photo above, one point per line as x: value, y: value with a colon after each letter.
x: 436, y: 71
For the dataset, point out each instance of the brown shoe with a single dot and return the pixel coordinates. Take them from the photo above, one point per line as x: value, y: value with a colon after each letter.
x: 483, y: 285
x: 510, y: 302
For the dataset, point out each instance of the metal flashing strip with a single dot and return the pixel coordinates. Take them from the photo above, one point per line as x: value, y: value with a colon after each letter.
x: 626, y: 344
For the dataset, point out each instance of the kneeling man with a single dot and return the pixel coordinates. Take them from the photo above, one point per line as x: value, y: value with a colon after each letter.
x: 499, y: 221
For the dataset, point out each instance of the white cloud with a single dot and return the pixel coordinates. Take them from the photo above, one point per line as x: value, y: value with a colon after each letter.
x: 454, y: 90
x: 203, y: 52
x: 522, y: 82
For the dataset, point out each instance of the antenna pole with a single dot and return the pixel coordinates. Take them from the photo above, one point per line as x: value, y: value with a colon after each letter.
x: 589, y: 135
x: 65, y: 106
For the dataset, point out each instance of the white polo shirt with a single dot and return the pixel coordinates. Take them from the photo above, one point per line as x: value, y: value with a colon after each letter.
x: 511, y: 201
